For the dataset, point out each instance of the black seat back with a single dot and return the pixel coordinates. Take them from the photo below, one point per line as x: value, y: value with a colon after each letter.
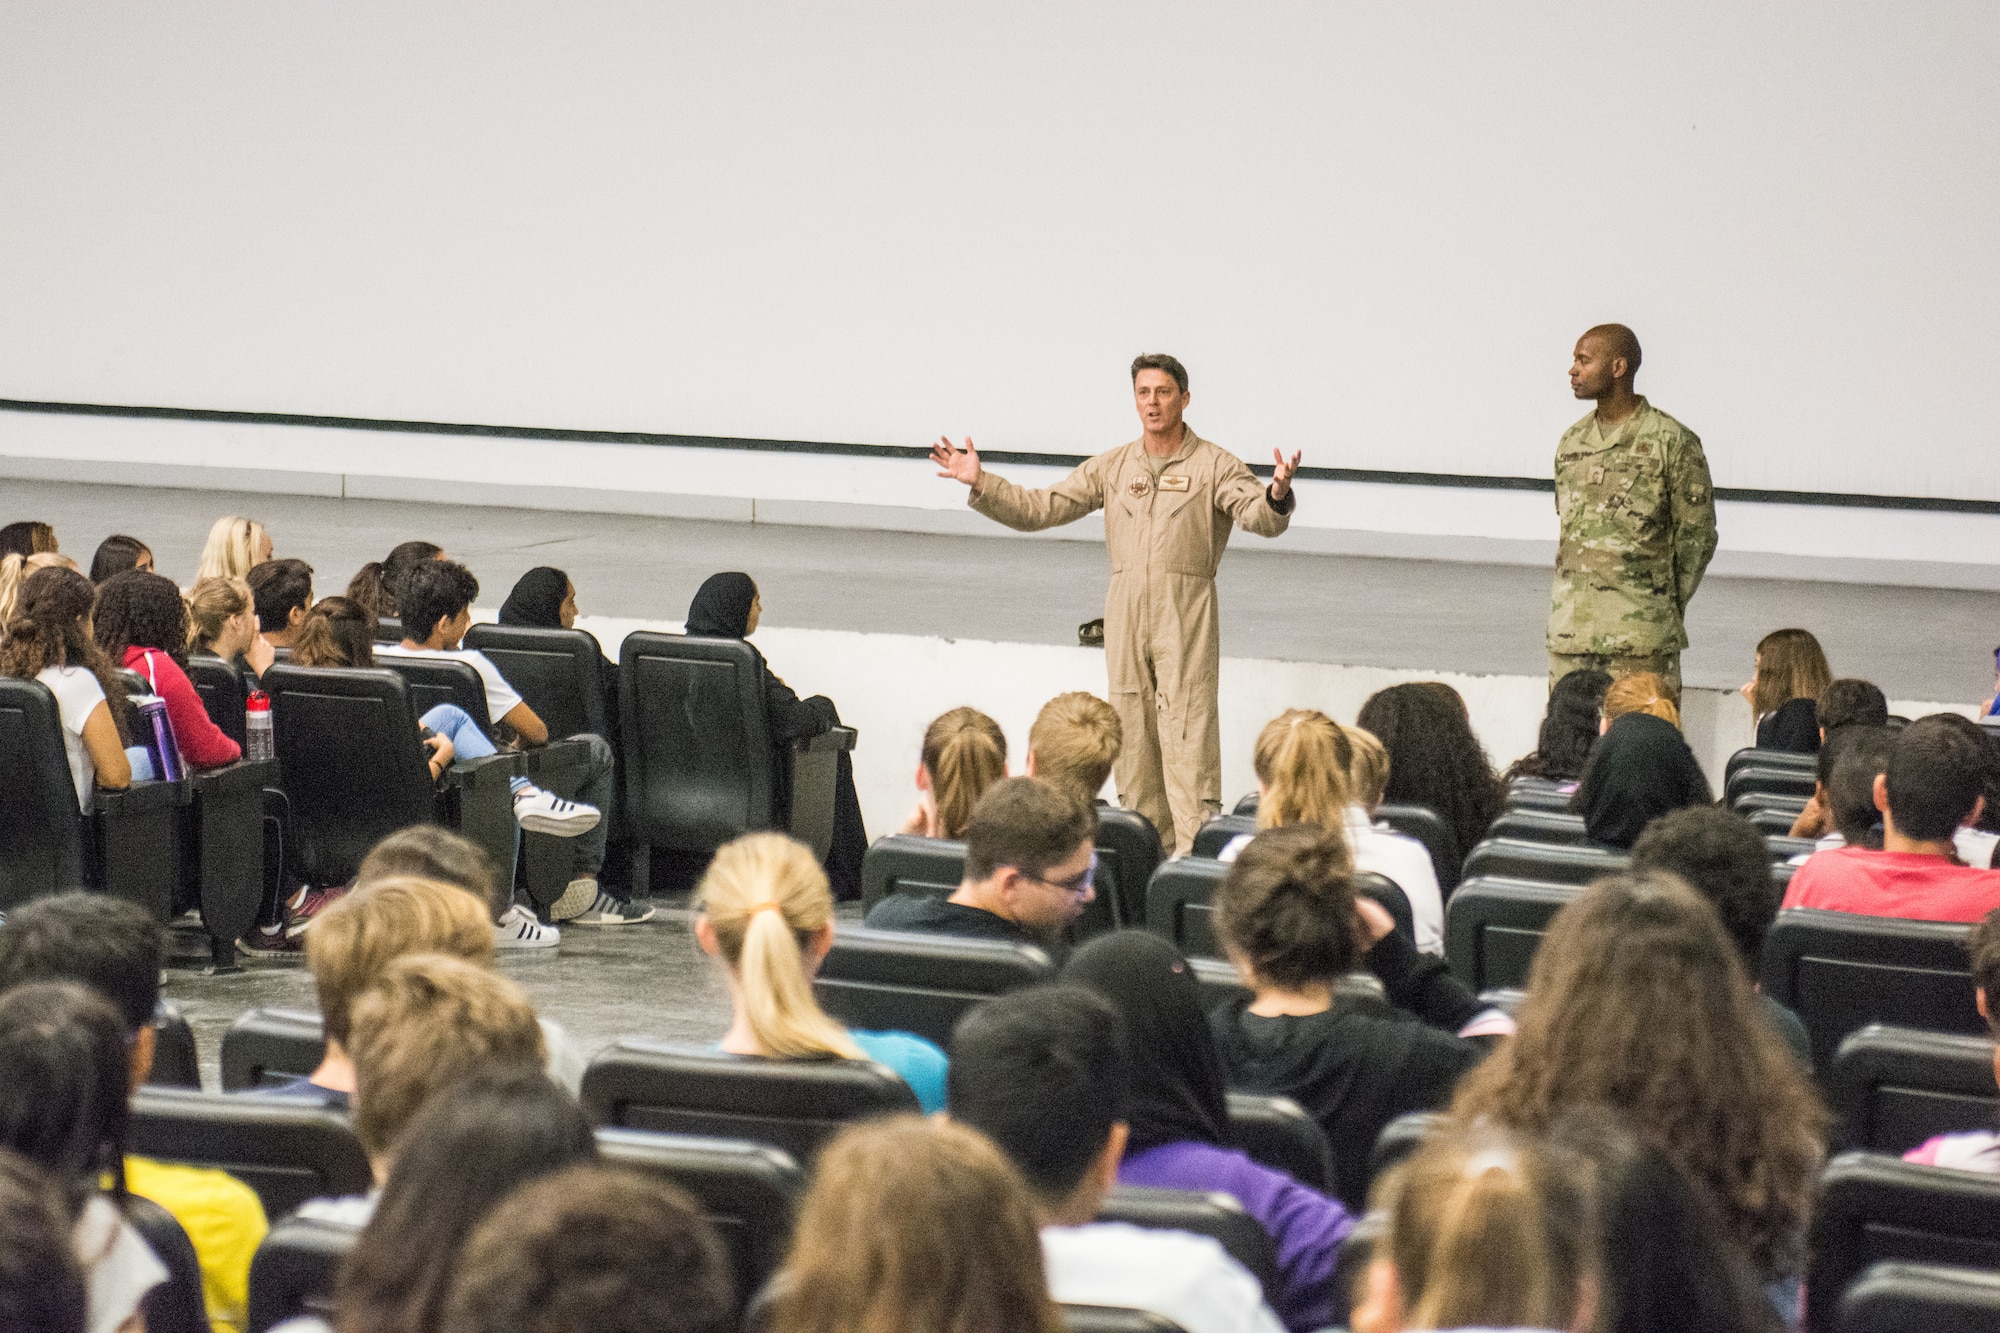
x: 224, y: 693
x: 440, y: 680
x: 795, y: 1105
x: 41, y: 828
x: 176, y: 1060
x: 294, y: 1271
x: 1179, y: 903
x: 265, y: 1046
x: 1765, y: 778
x: 1552, y: 826
x: 1217, y: 1216
x: 1427, y: 827
x: 1755, y: 758
x: 176, y: 1305
x: 1873, y: 1208
x: 558, y: 672
x: 1546, y: 863
x: 1920, y: 1298
x: 905, y: 863
x: 354, y: 770
x: 1892, y: 1088
x: 699, y: 767
x: 749, y: 1192
x: 1528, y: 793
x: 1217, y: 833
x: 1114, y: 1319
x: 1278, y: 1132
x: 1492, y: 928
x: 1839, y: 972
x: 1128, y: 851
x: 1398, y: 1139
x: 903, y: 981
x: 287, y: 1151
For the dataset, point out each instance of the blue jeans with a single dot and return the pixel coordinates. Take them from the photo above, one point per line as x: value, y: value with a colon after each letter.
x: 456, y: 725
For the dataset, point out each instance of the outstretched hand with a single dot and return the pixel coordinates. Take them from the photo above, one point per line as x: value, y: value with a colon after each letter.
x: 1281, y: 474
x: 958, y: 464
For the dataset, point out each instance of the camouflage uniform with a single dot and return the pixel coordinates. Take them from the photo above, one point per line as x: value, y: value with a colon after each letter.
x: 1638, y: 528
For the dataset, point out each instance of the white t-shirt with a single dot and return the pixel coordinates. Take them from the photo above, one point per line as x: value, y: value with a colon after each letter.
x: 1188, y: 1279
x: 1975, y: 847
x: 77, y: 696
x: 1381, y: 850
x: 501, y: 698
x: 119, y: 1267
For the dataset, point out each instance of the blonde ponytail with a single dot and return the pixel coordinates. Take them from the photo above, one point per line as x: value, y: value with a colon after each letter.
x: 965, y: 753
x: 231, y: 548
x: 1301, y: 760
x: 1640, y: 692
x: 764, y: 895
x: 14, y: 572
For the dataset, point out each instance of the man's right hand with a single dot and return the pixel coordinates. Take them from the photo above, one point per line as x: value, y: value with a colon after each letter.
x: 958, y: 464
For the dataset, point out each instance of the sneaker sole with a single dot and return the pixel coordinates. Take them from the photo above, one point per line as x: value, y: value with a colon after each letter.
x: 611, y: 920
x: 571, y: 826
x: 575, y: 901
x: 526, y: 944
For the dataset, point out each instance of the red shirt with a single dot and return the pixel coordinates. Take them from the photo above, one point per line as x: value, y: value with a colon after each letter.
x: 1909, y: 885
x: 202, y: 743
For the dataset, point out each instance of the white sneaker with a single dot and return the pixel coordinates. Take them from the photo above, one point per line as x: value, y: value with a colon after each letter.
x: 540, y: 811
x: 518, y: 929
x: 608, y: 911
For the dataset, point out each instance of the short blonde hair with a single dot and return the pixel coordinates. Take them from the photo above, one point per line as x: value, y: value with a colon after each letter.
x: 1368, y: 775
x: 231, y: 548
x: 1075, y: 740
x: 213, y: 603
x: 353, y: 942
x: 427, y: 1023
x: 1640, y: 692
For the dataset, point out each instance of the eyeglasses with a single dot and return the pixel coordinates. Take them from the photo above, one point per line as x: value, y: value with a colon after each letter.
x: 1075, y: 887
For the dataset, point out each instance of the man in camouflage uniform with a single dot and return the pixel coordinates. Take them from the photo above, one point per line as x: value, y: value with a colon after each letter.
x: 1638, y: 523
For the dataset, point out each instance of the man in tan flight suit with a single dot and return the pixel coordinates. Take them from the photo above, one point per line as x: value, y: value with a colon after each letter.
x: 1638, y: 523
x: 1169, y: 500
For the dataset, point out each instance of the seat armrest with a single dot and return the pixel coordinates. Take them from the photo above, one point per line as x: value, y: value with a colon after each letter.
x: 839, y: 738
x: 477, y: 772
x: 240, y: 776
x: 143, y: 798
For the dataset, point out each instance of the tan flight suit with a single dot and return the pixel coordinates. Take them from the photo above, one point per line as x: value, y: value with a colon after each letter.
x: 1162, y: 636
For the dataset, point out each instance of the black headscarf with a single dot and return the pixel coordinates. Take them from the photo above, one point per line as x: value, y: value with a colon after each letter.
x: 721, y: 607
x: 536, y: 602
x: 1177, y: 1081
x: 1639, y: 770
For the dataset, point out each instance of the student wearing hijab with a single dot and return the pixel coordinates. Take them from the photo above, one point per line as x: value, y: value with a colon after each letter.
x: 545, y: 598
x: 727, y: 606
x: 1179, y: 1117
x: 1640, y: 770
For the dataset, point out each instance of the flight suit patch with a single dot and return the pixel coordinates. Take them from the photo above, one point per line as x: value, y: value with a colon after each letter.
x: 1174, y: 483
x: 1140, y: 487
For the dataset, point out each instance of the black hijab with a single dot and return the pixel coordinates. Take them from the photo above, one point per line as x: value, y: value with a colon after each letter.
x: 1639, y: 770
x: 536, y: 602
x: 1177, y: 1083
x: 721, y: 608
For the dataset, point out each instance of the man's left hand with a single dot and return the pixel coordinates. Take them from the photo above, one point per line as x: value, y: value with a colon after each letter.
x: 1281, y: 474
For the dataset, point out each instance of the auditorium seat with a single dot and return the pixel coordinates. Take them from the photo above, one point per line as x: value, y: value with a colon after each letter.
x: 1424, y: 824
x: 1778, y: 759
x: 222, y: 834
x: 263, y: 1042
x: 355, y: 771
x: 1178, y: 903
x: 1784, y: 848
x: 1892, y: 1088
x: 287, y: 1151
x: 1398, y: 1139
x: 1217, y: 833
x: 1752, y: 802
x: 1278, y: 1133
x: 1219, y: 980
x: 1203, y: 1213
x: 1113, y: 1319
x: 1546, y: 863
x: 1873, y: 1208
x: 678, y: 1088
x: 225, y: 694
x: 700, y: 768
x: 1550, y: 826
x: 919, y: 982
x: 1528, y: 793
x: 176, y: 1061
x: 1128, y: 852
x: 1770, y: 822
x: 935, y: 867
x: 294, y: 1271
x: 1246, y: 804
x: 1767, y: 779
x: 1839, y: 971
x: 749, y: 1192
x: 1492, y: 928
x: 1920, y: 1298
x: 176, y: 1305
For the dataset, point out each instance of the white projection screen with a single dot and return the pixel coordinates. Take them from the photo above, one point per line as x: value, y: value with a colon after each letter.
x: 1372, y: 230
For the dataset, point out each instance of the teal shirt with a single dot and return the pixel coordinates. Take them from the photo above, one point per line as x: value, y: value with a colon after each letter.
x: 918, y: 1062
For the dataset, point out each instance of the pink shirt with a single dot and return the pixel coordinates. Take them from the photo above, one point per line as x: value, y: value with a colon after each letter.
x: 1900, y: 884
x: 202, y: 743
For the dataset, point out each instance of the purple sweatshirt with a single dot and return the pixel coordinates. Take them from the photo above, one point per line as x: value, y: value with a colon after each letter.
x: 1307, y: 1226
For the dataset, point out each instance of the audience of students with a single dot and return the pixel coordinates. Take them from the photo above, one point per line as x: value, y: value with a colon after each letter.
x: 728, y: 606
x: 1287, y: 916
x: 428, y: 852
x: 1978, y: 1149
x: 49, y: 640
x: 222, y: 622
x: 1030, y: 858
x: 1074, y: 743
x: 1569, y: 728
x: 281, y: 590
x: 377, y: 585
x: 1785, y: 689
x: 1045, y: 1075
x: 142, y: 624
x: 767, y: 913
x: 41, y: 1283
x: 27, y: 537
x: 118, y: 553
x: 234, y: 547
x: 1177, y: 1117
x: 963, y: 754
x: 1435, y: 760
x: 1641, y: 769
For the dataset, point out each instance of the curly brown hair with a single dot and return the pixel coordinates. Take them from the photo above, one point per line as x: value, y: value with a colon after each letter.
x: 1637, y: 1002
x: 141, y: 609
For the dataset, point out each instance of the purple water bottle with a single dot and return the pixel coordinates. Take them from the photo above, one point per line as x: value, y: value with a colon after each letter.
x: 156, y: 733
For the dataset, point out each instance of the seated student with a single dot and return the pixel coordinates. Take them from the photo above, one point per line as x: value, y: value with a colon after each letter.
x: 118, y: 553
x: 1784, y: 690
x: 15, y: 571
x: 1074, y: 743
x: 1482, y: 1230
x: 64, y: 1081
x: 27, y: 538
x: 222, y: 622
x: 1844, y: 788
x: 1288, y: 918
x: 1641, y: 769
x: 115, y: 948
x: 235, y: 546
x: 1816, y: 820
x: 425, y: 851
x: 1720, y: 855
x: 1569, y: 729
x: 436, y: 601
x: 1934, y: 786
x: 767, y: 914
x: 597, y: 1247
x: 728, y: 606
x: 427, y: 1025
x: 1435, y: 760
x: 1848, y: 702
x: 1378, y: 847
x: 1179, y: 1136
x: 544, y: 598
x: 49, y: 640
x: 282, y: 590
x: 142, y: 624
x: 375, y: 586
x: 1043, y: 1073
x: 964, y: 753
x: 41, y: 1283
x: 1029, y: 860
x: 1979, y: 1149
